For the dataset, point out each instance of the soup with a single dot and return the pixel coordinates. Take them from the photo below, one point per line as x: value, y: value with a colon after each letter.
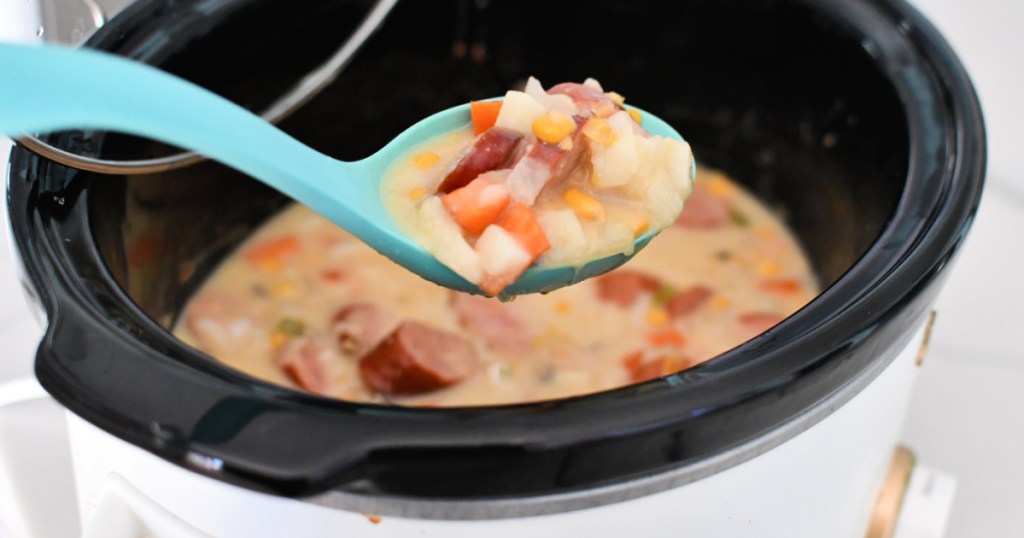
x: 303, y: 304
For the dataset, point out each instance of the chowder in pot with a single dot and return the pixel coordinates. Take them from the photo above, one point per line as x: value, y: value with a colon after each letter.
x: 303, y: 304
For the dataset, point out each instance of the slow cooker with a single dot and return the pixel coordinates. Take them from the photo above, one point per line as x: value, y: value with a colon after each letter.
x: 852, y: 118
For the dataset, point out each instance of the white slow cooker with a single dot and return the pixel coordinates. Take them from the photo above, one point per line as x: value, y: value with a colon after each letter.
x: 853, y: 118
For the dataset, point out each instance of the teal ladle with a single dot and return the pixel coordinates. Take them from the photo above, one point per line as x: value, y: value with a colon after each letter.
x: 51, y: 88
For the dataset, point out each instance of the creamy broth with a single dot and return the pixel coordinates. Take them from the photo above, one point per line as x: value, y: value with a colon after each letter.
x: 725, y: 272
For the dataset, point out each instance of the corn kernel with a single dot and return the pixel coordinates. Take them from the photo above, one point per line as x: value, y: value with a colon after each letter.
x: 270, y: 266
x: 616, y: 96
x: 657, y: 316
x: 721, y: 188
x: 563, y: 307
x: 277, y: 339
x: 417, y: 193
x: 551, y: 335
x: 673, y: 364
x: 768, y: 268
x: 635, y: 114
x: 599, y: 131
x: 425, y: 159
x: 553, y: 126
x: 584, y: 206
x: 284, y: 289
x: 566, y: 144
x: 764, y: 232
x: 638, y: 224
x: 720, y: 303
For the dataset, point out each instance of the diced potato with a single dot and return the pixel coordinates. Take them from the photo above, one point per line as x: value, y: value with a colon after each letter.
x: 564, y: 232
x: 620, y: 238
x: 445, y: 240
x: 616, y: 164
x: 664, y: 175
x: 500, y: 253
x: 518, y: 112
x: 597, y: 131
x: 633, y: 217
x: 502, y: 258
x: 609, y: 239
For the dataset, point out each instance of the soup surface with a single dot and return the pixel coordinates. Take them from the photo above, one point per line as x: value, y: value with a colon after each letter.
x: 303, y: 304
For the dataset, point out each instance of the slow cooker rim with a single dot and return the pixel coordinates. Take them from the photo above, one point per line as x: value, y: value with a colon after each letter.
x: 922, y: 262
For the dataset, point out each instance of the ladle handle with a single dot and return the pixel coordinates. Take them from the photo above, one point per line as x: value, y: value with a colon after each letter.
x: 51, y: 88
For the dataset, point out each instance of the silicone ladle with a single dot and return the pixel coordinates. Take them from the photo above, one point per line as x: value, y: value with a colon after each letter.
x: 51, y: 88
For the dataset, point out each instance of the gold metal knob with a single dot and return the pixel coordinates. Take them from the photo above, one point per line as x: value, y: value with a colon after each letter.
x: 923, y: 350
x: 894, y: 488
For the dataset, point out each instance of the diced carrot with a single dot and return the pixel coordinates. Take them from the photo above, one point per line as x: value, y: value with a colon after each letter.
x: 666, y: 337
x: 473, y: 208
x: 781, y: 285
x: 521, y: 223
x: 273, y: 250
x: 633, y: 360
x: 484, y: 114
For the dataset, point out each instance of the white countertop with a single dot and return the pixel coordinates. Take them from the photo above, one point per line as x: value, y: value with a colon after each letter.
x: 966, y: 412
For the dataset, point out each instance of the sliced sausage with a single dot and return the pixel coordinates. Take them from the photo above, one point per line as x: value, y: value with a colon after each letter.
x: 587, y: 98
x: 218, y: 319
x: 643, y: 369
x: 494, y: 321
x: 686, y: 302
x: 492, y: 150
x: 704, y: 210
x: 360, y: 327
x: 417, y: 358
x: 542, y: 164
x: 302, y: 359
x: 623, y: 287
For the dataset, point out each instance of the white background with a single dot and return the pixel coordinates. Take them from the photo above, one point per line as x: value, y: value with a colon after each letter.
x: 967, y: 413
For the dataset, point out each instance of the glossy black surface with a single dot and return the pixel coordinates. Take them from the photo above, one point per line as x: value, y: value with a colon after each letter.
x: 853, y: 118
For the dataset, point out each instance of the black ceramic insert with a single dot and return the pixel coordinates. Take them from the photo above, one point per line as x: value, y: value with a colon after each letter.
x: 852, y: 118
